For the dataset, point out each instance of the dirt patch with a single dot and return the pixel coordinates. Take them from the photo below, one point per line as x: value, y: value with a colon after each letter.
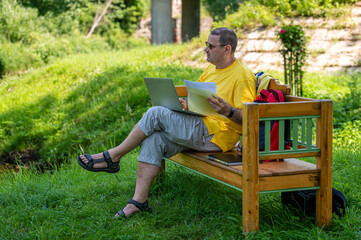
x: 13, y: 159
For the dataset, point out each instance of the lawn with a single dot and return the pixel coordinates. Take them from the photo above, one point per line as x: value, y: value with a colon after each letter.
x: 88, y: 103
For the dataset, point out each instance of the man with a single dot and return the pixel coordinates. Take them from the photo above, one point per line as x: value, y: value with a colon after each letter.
x: 164, y: 133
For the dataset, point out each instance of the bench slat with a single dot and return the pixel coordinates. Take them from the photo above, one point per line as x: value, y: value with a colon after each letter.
x: 288, y: 109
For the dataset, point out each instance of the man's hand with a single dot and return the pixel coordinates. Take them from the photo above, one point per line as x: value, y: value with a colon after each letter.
x: 222, y: 107
x: 219, y: 105
x: 184, y: 103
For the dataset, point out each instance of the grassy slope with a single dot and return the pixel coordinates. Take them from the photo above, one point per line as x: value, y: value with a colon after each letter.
x: 91, y: 102
x: 82, y: 101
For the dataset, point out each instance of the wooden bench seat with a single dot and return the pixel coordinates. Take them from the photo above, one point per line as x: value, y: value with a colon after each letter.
x: 308, y: 123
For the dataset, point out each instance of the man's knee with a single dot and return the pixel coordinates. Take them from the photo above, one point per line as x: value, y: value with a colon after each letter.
x: 156, y: 111
x: 147, y: 169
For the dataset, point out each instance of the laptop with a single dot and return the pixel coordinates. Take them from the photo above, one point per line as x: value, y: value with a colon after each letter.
x: 163, y: 93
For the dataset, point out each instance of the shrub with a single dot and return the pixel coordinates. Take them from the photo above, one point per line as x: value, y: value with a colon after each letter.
x: 315, y: 8
x: 17, y: 22
x: 292, y: 37
x: 294, y: 55
x: 219, y: 9
x: 64, y: 16
x: 15, y: 57
x: 49, y: 47
x: 248, y: 16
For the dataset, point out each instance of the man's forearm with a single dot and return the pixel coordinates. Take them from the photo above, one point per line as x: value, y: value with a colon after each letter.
x: 236, y: 116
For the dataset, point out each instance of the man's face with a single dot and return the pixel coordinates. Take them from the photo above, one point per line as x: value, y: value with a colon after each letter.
x: 214, y: 49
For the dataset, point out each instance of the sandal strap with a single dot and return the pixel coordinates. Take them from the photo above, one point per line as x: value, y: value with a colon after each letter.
x: 108, y: 160
x: 90, y: 160
x: 140, y: 206
x: 121, y: 213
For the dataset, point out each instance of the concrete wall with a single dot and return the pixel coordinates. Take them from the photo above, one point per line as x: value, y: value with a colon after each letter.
x: 161, y: 26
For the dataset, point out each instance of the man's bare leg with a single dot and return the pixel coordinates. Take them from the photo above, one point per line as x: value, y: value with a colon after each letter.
x: 135, y: 137
x: 145, y: 176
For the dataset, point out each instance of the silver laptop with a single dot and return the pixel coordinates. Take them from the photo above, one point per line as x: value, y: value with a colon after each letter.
x: 163, y: 93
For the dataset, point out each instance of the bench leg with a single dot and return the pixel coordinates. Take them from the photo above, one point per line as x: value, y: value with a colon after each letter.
x: 324, y: 163
x: 250, y: 178
x: 323, y: 208
x: 250, y: 210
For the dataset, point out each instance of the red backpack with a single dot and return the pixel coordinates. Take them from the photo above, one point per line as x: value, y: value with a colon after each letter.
x: 270, y: 96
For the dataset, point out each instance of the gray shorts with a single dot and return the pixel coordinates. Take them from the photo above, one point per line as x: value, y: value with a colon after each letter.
x: 169, y: 133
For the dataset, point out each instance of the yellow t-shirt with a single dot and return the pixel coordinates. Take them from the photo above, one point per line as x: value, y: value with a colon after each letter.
x: 236, y: 84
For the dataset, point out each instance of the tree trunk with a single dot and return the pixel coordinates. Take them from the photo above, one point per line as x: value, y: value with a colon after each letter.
x: 98, y: 19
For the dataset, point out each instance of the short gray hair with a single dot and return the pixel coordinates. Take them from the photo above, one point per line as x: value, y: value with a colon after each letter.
x: 227, y: 37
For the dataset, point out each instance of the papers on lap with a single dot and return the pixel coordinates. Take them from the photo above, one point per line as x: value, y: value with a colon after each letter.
x: 198, y: 92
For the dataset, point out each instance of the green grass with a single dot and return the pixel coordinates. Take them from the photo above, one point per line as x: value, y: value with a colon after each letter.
x: 82, y: 102
x: 89, y: 103
x: 71, y: 203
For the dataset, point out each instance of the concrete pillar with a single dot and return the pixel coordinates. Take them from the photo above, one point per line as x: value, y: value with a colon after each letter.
x: 191, y: 11
x: 162, y: 30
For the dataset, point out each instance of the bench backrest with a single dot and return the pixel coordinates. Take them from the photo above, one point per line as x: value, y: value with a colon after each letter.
x: 301, y: 118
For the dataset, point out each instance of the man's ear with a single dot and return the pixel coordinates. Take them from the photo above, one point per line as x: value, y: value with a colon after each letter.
x: 227, y: 49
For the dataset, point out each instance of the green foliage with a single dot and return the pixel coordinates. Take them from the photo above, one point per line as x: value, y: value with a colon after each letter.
x: 17, y: 23
x: 294, y: 55
x: 65, y: 16
x: 127, y: 14
x: 314, y: 8
x: 266, y: 12
x: 49, y: 47
x: 43, y: 30
x: 292, y: 37
x: 344, y: 90
x: 219, y: 9
x: 348, y: 108
x: 55, y: 7
x: 19, y: 19
x: 15, y: 57
x: 247, y: 17
x: 44, y: 48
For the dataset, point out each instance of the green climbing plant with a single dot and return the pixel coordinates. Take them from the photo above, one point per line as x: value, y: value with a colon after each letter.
x: 294, y: 54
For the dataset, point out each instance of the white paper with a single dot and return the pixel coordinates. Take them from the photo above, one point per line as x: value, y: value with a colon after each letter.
x: 198, y: 92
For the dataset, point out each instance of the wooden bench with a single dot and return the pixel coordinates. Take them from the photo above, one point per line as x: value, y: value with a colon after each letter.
x: 310, y: 132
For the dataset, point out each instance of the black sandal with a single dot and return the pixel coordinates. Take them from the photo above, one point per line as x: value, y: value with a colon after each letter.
x: 112, y: 167
x: 143, y: 207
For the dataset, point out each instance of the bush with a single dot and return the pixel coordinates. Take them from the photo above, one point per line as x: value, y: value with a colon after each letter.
x: 15, y: 57
x: 219, y: 9
x: 64, y: 16
x: 118, y: 39
x: 248, y: 16
x: 17, y: 22
x: 315, y: 8
x: 49, y: 47
x: 265, y: 12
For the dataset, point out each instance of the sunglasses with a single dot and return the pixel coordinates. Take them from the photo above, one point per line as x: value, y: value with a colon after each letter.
x: 210, y: 46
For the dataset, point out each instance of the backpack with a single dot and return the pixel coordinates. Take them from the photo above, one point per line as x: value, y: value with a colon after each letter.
x: 270, y: 96
x: 305, y: 201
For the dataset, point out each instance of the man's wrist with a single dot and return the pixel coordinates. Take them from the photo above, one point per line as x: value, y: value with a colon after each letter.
x: 231, y: 113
